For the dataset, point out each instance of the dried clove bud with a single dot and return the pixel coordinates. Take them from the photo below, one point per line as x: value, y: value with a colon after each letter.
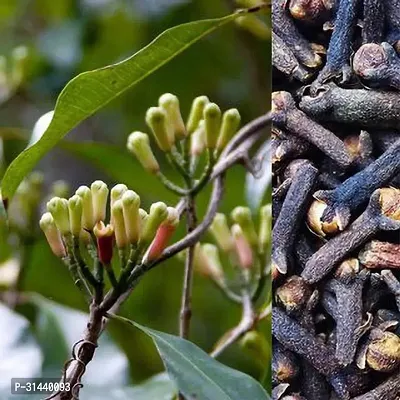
x: 378, y: 254
x: 284, y: 364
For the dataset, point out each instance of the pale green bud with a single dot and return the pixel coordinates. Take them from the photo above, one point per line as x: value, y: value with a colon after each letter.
x: 116, y: 193
x: 119, y: 224
x: 139, y: 145
x: 212, y: 123
x: 170, y: 103
x: 220, y: 230
x: 99, y: 198
x: 196, y: 113
x: 213, y: 261
x: 59, y: 210
x: 130, y: 204
x: 87, y: 204
x: 242, y: 216
x: 264, y: 235
x: 158, y: 214
x: 243, y: 249
x: 255, y: 26
x: 198, y: 140
x: 157, y: 120
x: 75, y: 214
x: 230, y: 125
x: 49, y: 228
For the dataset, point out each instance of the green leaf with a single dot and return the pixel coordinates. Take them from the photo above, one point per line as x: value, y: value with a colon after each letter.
x: 92, y: 90
x: 196, y: 374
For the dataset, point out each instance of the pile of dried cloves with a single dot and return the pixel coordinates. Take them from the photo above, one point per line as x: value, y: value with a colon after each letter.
x: 336, y: 199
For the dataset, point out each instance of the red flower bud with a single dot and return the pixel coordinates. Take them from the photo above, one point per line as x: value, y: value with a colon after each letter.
x: 105, y: 241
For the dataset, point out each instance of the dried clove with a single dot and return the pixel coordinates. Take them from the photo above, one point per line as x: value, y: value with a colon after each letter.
x: 285, y: 366
x: 285, y: 28
x: 332, y: 209
x: 377, y: 254
x: 382, y: 213
x: 393, y: 285
x: 348, y: 286
x: 286, y: 114
x: 311, y: 10
x: 373, y: 21
x: 290, y: 216
x: 377, y: 65
x: 364, y: 108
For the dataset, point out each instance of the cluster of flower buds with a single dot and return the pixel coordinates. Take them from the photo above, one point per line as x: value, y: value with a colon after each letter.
x: 241, y: 243
x: 206, y: 129
x: 82, y: 218
x: 12, y: 71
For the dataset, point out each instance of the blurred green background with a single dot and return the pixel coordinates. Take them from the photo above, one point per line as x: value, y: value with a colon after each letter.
x: 66, y: 37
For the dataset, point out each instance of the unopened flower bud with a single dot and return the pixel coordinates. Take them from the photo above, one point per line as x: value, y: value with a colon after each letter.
x: 130, y: 205
x: 294, y: 294
x: 196, y: 113
x: 75, y: 214
x: 212, y: 262
x: 163, y: 235
x: 170, y: 103
x: 264, y: 235
x: 212, y: 123
x: 198, y: 140
x: 158, y: 213
x: 230, y: 125
x: 87, y: 207
x: 220, y: 230
x: 243, y: 248
x: 242, y: 216
x: 105, y: 238
x: 157, y: 120
x: 99, y: 197
x: 59, y: 210
x: 52, y: 234
x: 116, y: 193
x: 119, y: 224
x: 139, y: 145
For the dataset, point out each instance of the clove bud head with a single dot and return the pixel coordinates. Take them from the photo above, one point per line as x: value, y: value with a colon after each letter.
x: 243, y: 248
x: 316, y: 222
x: 130, y: 205
x: 49, y: 228
x: 294, y: 294
x: 212, y: 123
x: 117, y: 216
x: 242, y: 216
x: 75, y: 214
x: 139, y: 145
x: 87, y: 207
x: 99, y: 198
x: 170, y: 103
x: 383, y: 353
x: 58, y: 208
x: 157, y: 120
x: 196, y: 113
x: 220, y: 230
x: 158, y: 213
x: 229, y: 127
x: 105, y: 238
x: 116, y: 193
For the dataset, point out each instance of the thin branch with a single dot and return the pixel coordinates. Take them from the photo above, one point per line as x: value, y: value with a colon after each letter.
x: 186, y: 305
x: 247, y: 322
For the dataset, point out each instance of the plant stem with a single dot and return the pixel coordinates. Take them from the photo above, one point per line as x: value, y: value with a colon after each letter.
x: 186, y: 306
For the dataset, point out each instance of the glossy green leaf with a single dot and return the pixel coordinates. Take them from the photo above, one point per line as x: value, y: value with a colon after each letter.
x: 196, y: 374
x: 90, y: 91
